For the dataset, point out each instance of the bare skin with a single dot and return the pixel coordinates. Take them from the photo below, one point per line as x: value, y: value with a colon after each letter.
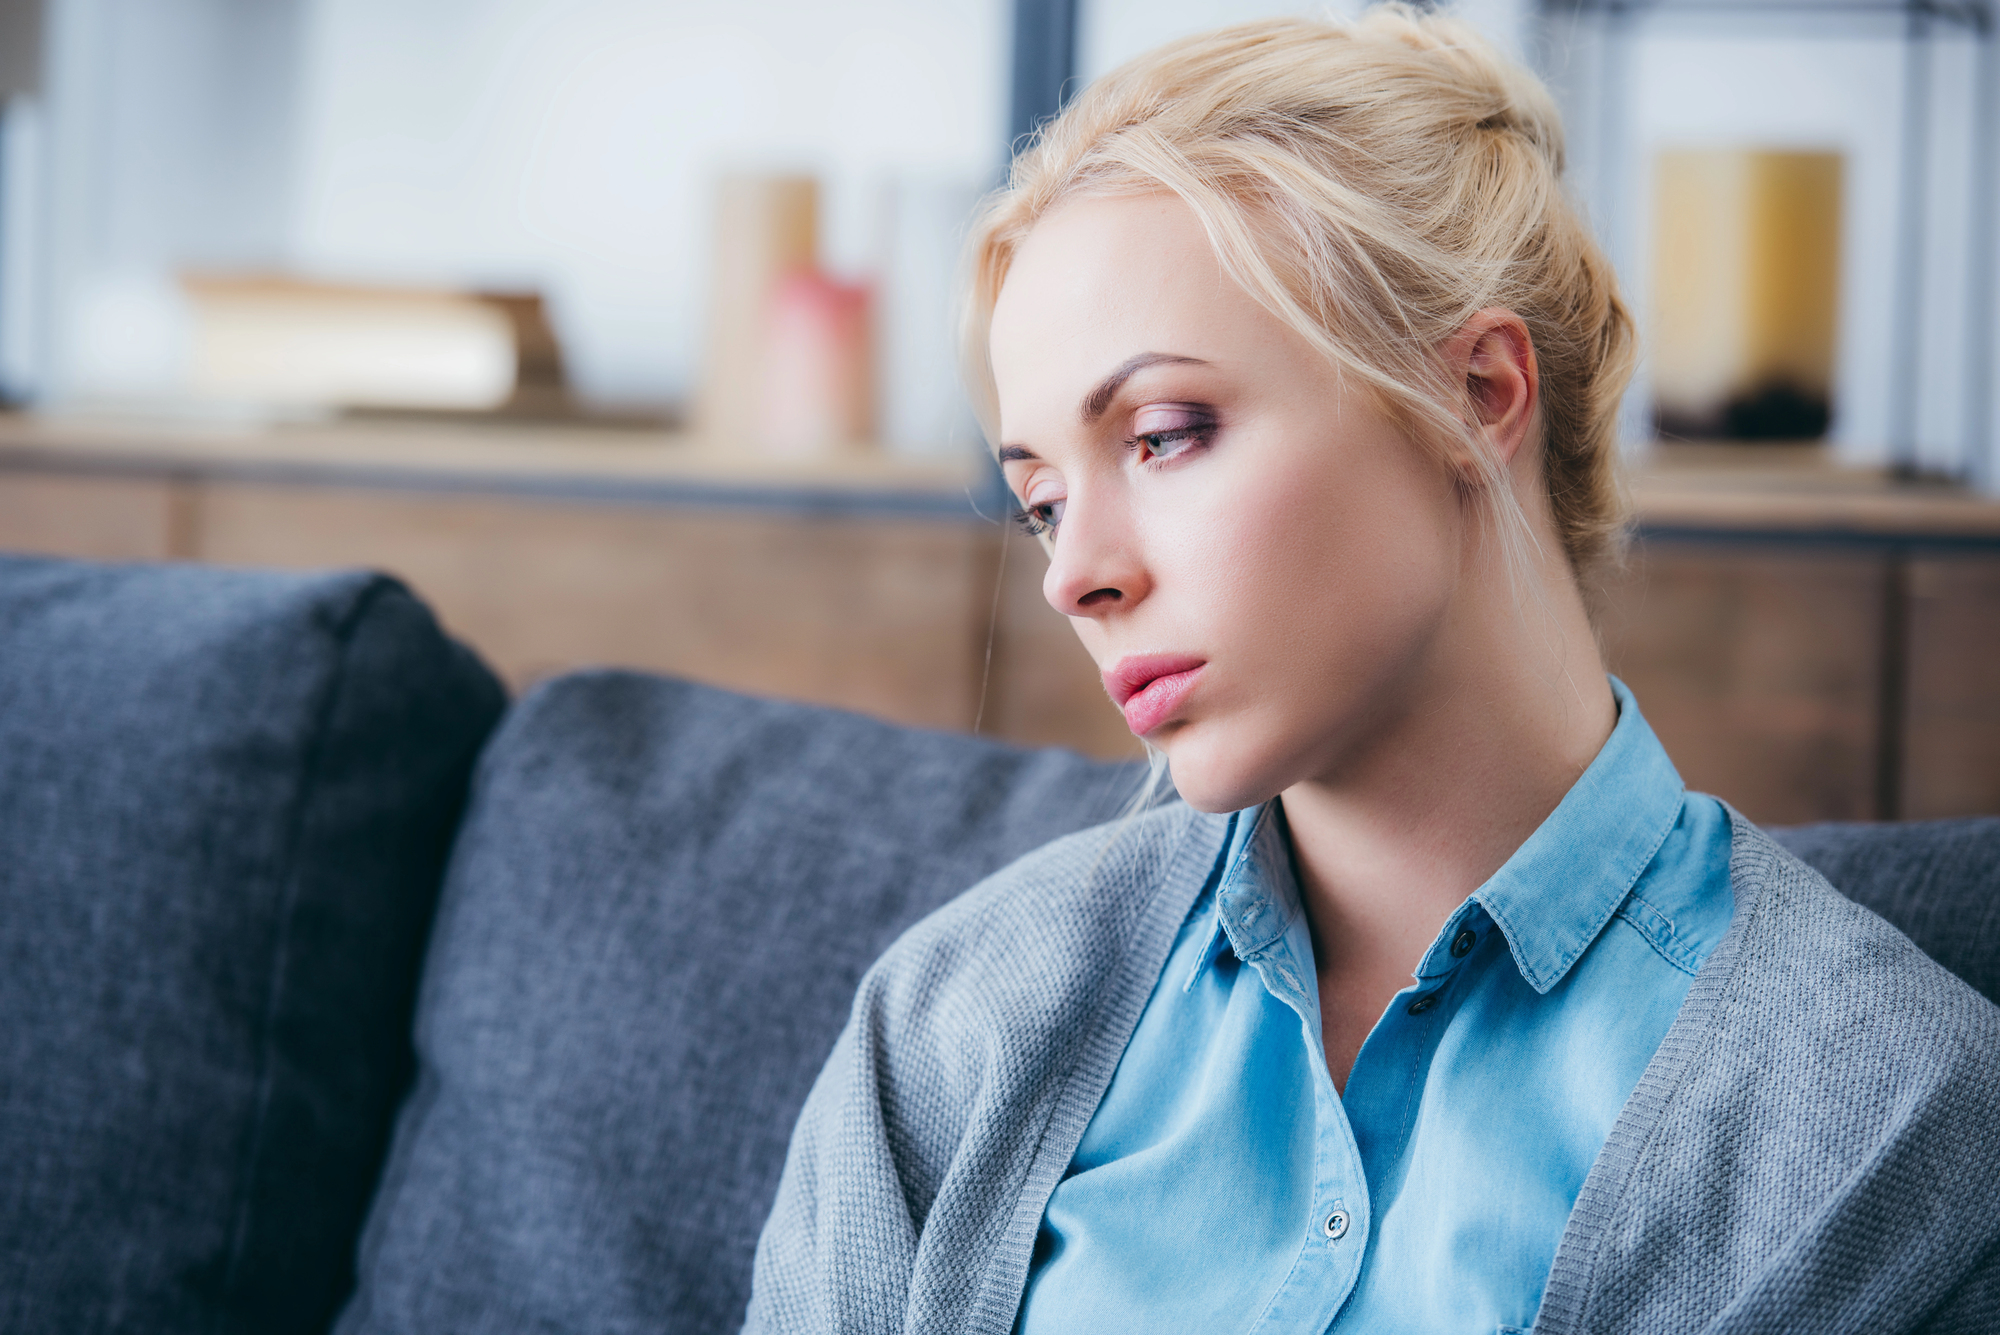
x: 1221, y: 497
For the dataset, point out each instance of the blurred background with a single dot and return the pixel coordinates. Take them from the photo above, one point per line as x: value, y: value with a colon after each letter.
x: 622, y: 330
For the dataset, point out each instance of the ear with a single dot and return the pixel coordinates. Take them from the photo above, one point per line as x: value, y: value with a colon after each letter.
x: 1493, y: 356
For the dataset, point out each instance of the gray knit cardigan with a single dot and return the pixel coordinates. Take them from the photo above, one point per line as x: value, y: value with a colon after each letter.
x: 1814, y: 1148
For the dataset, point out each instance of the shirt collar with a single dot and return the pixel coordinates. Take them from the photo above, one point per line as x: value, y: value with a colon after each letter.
x: 1553, y: 897
x: 1550, y: 900
x: 1254, y: 895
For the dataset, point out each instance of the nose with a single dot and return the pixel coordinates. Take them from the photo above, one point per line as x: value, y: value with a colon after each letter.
x: 1094, y: 566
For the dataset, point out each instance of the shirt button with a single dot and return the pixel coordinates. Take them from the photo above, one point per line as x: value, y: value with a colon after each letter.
x: 1336, y: 1225
x: 1423, y: 1003
x: 1462, y: 944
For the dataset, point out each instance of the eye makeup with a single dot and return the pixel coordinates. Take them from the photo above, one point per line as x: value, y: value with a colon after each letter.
x: 1039, y: 512
x: 1161, y: 432
x: 1040, y: 518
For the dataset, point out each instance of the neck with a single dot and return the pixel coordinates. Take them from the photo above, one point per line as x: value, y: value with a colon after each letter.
x: 1502, y: 716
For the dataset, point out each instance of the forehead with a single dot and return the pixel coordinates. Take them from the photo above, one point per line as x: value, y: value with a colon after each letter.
x: 1101, y: 279
x: 1080, y: 261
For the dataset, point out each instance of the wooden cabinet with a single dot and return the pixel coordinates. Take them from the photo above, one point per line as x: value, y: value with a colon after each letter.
x: 850, y: 610
x: 1809, y: 645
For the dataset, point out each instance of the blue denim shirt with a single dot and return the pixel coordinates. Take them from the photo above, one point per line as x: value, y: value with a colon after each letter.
x: 1223, y: 1184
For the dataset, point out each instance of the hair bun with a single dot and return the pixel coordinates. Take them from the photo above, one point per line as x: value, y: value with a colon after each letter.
x: 1509, y: 98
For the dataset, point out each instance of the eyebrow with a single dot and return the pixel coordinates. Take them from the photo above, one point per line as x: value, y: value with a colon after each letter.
x: 1095, y: 402
x: 1099, y: 398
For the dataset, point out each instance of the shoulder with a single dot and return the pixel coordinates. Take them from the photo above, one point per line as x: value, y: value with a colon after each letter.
x: 1048, y: 923
x: 1814, y: 1135
x: 965, y: 1035
x: 1819, y: 1009
x: 1824, y: 966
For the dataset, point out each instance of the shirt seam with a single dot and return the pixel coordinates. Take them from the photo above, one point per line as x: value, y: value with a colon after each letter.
x: 1664, y: 939
x: 1286, y: 914
x: 1585, y: 940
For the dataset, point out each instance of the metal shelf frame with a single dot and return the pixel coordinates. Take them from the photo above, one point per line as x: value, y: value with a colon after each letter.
x: 1916, y: 24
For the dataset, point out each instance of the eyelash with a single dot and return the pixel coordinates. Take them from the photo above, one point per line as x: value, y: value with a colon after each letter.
x: 1032, y: 524
x: 1029, y: 521
x: 1155, y: 439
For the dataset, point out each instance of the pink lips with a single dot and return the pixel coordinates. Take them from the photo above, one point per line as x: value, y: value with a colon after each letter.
x: 1149, y: 687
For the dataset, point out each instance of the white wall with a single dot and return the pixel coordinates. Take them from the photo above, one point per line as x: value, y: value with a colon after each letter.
x: 567, y: 145
x: 165, y: 140
x: 570, y: 145
x: 21, y: 264
x: 1113, y: 31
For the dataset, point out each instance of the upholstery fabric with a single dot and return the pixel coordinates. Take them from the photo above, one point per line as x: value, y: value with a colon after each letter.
x: 226, y: 800
x: 660, y: 904
x: 1938, y: 881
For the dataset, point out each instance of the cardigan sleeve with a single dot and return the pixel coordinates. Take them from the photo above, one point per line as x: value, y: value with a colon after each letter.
x: 837, y: 1252
x: 975, y: 1051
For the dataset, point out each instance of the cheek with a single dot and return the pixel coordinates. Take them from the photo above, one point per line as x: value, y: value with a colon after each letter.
x: 1323, y: 585
x: 1333, y: 563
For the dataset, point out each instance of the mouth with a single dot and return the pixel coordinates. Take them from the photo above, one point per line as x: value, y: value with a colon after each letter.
x: 1147, y: 688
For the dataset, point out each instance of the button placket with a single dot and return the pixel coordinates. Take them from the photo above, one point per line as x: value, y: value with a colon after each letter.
x: 1462, y: 943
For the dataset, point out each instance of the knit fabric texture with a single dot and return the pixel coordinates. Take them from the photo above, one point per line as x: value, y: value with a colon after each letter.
x: 661, y: 900
x: 1811, y: 1149
x: 226, y: 799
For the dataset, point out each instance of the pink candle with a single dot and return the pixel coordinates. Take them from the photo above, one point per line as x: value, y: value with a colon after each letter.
x: 819, y: 367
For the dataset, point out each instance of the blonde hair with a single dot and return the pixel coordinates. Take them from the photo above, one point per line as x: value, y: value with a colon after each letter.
x: 1373, y: 184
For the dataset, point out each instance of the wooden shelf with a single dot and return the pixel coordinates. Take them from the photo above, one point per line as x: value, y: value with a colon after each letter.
x: 567, y: 462
x: 1799, y: 492
x: 1678, y: 490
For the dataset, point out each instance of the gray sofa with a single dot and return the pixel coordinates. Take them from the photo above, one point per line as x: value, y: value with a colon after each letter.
x: 336, y: 993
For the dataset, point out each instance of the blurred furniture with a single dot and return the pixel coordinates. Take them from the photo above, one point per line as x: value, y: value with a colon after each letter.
x: 1812, y: 643
x: 273, y: 339
x: 1918, y: 27
x: 254, y: 879
x: 864, y: 584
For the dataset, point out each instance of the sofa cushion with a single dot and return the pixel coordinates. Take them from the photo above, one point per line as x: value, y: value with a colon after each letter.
x: 1938, y: 881
x: 653, y: 924
x: 225, y: 803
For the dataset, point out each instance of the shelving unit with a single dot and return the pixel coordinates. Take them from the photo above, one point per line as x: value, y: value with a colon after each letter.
x: 1915, y: 24
x: 1811, y: 642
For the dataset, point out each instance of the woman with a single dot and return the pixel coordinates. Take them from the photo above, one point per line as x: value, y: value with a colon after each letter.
x: 1435, y: 1003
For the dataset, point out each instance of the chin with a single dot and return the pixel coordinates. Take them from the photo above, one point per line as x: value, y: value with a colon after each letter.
x: 1212, y: 775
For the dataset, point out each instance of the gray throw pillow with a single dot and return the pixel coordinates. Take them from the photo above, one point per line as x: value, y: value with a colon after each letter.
x: 226, y: 799
x: 654, y: 921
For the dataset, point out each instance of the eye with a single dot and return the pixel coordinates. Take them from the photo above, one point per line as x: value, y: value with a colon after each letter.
x: 1042, y: 517
x: 1156, y: 445
x: 1167, y: 431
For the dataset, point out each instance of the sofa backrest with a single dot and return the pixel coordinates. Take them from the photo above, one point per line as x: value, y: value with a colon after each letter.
x: 661, y: 901
x: 225, y: 801
x: 225, y: 804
